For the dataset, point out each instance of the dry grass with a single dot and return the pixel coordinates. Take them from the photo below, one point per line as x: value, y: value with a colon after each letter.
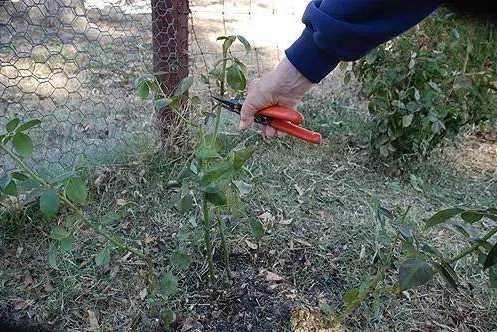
x: 315, y: 205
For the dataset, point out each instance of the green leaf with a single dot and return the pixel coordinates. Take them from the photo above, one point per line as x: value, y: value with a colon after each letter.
x: 143, y: 85
x: 180, y: 259
x: 183, y: 86
x: 243, y: 187
x: 442, y: 216
x: 216, y: 198
x: 351, y: 297
x: 110, y: 218
x: 22, y: 144
x: 206, y: 152
x: 240, y: 157
x: 10, y: 189
x: 5, y: 180
x: 217, y: 177
x: 236, y: 78
x: 414, y: 272
x: 168, y: 318
x: 407, y: 120
x: 76, y: 190
x: 492, y: 277
x: 228, y: 41
x: 19, y: 176
x: 162, y: 103
x: 491, y: 259
x: 169, y: 284
x: 472, y: 216
x: 256, y: 228
x: 66, y: 244
x: 58, y: 233
x: 185, y: 203
x: 49, y: 203
x: 448, y: 273
x: 143, y: 90
x: 52, y: 258
x: 431, y: 250
x: 12, y: 125
x: 103, y: 257
x: 28, y: 125
x: 245, y: 43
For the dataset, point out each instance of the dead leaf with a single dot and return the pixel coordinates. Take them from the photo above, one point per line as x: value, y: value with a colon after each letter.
x: 48, y: 287
x: 149, y: 239
x: 271, y: 276
x: 300, y: 191
x: 20, y: 304
x: 303, y: 242
x: 266, y: 216
x: 285, y: 222
x: 189, y: 324
x: 92, y: 319
x: 19, y: 251
x: 251, y: 245
x: 28, y: 281
x: 143, y: 294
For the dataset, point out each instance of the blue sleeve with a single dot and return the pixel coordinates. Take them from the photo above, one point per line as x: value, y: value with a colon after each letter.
x: 346, y: 30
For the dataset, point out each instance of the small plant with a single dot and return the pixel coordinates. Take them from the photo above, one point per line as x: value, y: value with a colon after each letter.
x: 52, y: 195
x: 209, y: 181
x: 417, y: 262
x: 422, y: 90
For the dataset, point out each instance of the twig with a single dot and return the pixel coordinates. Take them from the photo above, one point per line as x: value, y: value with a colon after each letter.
x: 97, y: 228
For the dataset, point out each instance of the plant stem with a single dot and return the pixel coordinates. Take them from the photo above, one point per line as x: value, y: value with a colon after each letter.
x: 474, y: 247
x: 373, y: 286
x: 207, y: 238
x: 226, y: 252
x: 97, y: 228
x: 222, y: 91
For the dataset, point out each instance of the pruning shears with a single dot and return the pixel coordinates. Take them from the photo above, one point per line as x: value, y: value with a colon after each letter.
x: 283, y: 119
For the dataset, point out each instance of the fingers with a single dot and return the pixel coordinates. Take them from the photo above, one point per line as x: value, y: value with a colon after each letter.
x: 247, y: 116
x: 249, y: 109
x: 269, y: 132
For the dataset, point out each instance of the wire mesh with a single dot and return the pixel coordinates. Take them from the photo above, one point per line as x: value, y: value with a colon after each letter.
x: 72, y: 64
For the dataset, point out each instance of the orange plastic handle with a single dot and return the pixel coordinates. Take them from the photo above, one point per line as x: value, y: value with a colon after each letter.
x: 296, y: 131
x: 283, y: 113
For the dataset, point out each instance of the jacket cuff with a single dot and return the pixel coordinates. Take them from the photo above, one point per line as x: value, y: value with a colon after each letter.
x: 310, y: 60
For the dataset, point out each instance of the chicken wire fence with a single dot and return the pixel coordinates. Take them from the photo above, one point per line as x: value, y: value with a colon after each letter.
x: 72, y: 64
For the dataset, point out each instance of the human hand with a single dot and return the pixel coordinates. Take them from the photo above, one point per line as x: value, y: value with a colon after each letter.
x: 284, y: 86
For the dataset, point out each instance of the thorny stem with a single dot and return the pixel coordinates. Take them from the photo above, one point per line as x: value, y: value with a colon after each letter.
x: 373, y: 285
x: 207, y: 237
x: 222, y: 91
x: 97, y: 228
x: 395, y: 288
x: 226, y: 252
x: 474, y: 247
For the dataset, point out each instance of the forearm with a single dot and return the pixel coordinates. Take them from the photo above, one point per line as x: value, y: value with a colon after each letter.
x: 346, y: 30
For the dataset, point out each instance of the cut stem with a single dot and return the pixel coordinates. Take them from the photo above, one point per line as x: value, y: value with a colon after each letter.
x: 207, y: 238
x: 226, y: 252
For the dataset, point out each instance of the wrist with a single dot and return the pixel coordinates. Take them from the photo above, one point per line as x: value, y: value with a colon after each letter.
x: 287, y: 80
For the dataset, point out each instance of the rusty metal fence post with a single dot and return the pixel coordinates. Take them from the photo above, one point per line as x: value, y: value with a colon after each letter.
x: 170, y: 52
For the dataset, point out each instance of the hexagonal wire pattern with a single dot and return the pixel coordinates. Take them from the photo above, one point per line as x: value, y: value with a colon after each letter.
x: 72, y: 64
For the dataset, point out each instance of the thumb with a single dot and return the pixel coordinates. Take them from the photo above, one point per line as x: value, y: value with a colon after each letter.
x: 247, y: 116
